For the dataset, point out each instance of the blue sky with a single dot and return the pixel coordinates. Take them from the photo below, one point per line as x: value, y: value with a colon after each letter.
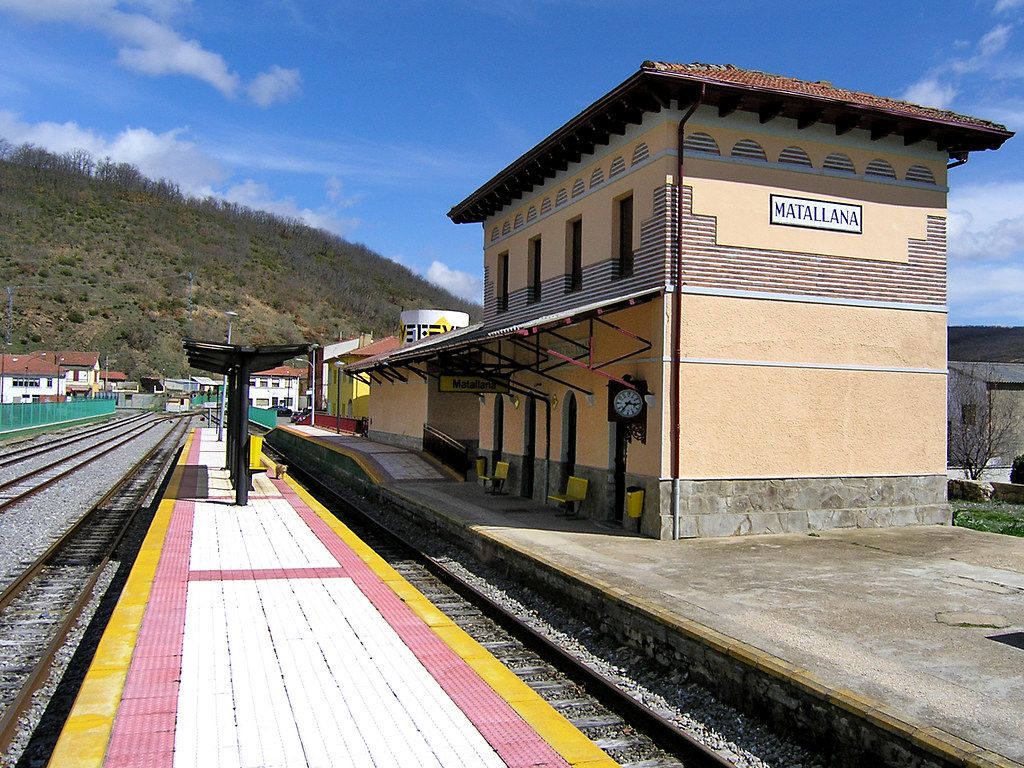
x: 372, y: 119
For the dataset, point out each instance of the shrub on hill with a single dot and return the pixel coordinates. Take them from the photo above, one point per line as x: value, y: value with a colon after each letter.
x: 98, y: 257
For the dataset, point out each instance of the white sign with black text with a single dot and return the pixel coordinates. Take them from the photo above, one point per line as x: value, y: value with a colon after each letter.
x: 816, y: 214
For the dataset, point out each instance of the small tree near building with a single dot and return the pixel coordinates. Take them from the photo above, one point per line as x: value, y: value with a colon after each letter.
x: 982, y: 425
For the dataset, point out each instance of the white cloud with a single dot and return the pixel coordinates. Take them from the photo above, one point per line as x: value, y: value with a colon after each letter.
x: 149, y: 44
x: 1008, y: 5
x: 986, y: 221
x: 257, y: 195
x: 470, y: 287
x: 155, y: 49
x: 986, y: 293
x: 930, y: 93
x: 158, y: 155
x: 275, y: 86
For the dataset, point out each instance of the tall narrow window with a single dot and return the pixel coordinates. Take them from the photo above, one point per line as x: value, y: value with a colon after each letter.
x: 574, y: 256
x: 534, y: 287
x: 625, y: 229
x: 501, y: 288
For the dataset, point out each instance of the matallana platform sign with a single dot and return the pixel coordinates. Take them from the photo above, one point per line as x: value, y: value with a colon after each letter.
x: 816, y: 214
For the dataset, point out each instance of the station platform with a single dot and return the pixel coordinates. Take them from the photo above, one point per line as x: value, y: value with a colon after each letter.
x: 918, y: 631
x: 270, y: 635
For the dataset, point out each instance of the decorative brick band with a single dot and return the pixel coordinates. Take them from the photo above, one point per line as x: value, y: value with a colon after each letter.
x: 706, y: 263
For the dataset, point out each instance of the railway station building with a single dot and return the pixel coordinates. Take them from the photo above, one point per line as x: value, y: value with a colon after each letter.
x: 726, y: 288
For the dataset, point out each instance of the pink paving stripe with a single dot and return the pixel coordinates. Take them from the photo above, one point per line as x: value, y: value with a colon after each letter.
x: 511, y: 737
x: 268, y: 573
x: 143, y: 732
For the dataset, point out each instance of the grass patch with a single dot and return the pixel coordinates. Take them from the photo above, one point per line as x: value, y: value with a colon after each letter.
x: 990, y: 516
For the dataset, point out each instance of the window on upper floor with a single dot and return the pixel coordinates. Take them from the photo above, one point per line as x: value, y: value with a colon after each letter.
x: 640, y: 153
x: 533, y: 268
x: 618, y: 166
x: 578, y: 188
x: 623, y: 228
x: 501, y: 283
x: 562, y: 197
x: 574, y: 255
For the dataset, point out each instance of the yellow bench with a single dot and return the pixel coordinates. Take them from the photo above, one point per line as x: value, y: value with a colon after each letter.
x: 575, y: 493
x: 497, y: 480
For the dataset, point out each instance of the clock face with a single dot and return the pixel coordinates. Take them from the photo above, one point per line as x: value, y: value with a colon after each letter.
x: 628, y: 403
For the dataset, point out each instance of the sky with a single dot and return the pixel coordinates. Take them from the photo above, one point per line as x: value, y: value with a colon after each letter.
x: 372, y: 119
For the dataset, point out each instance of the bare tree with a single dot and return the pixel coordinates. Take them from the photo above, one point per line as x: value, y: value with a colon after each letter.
x: 982, y: 424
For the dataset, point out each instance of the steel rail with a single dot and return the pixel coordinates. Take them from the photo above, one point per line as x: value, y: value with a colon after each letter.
x: 9, y: 719
x: 20, y: 454
x: 108, y: 447
x: 661, y: 730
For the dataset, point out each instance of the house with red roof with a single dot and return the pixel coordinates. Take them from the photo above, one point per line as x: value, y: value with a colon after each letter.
x: 30, y: 378
x: 277, y: 386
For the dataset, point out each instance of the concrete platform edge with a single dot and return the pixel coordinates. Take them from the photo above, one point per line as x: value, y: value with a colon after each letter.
x: 948, y: 748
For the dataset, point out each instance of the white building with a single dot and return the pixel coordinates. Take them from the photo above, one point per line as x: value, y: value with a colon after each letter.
x: 30, y: 378
x: 276, y: 386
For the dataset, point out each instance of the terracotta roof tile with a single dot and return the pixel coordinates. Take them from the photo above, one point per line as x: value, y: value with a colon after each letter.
x: 282, y: 370
x: 377, y: 347
x: 727, y: 73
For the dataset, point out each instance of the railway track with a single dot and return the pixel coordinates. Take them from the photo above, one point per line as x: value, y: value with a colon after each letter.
x: 37, y: 478
x: 39, y: 607
x: 18, y: 455
x: 631, y: 733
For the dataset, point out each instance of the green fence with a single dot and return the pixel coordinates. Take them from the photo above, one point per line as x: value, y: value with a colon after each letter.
x: 16, y: 416
x: 263, y: 416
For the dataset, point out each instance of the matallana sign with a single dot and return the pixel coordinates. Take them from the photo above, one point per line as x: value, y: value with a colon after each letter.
x: 816, y: 214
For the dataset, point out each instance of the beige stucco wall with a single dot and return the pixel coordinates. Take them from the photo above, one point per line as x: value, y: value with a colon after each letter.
x: 725, y: 328
x: 798, y: 412
x: 399, y: 408
x: 745, y: 421
x: 457, y: 415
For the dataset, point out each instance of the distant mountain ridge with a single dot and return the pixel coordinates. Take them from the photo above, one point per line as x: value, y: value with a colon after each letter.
x: 99, y: 257
x: 990, y: 343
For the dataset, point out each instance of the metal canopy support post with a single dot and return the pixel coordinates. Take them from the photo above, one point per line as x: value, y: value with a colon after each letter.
x: 237, y: 363
x: 241, y: 428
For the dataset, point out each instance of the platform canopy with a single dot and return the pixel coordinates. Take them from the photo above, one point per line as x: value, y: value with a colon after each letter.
x: 574, y: 338
x: 237, y: 362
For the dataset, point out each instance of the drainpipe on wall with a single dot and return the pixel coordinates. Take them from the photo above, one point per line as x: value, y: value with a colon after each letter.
x: 677, y: 320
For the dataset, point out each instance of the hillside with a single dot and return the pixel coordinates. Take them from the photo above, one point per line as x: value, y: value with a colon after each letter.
x: 99, y: 257
x: 990, y: 343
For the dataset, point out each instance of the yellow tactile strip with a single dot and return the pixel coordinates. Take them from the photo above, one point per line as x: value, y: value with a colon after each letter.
x: 934, y: 740
x: 563, y: 737
x: 83, y: 740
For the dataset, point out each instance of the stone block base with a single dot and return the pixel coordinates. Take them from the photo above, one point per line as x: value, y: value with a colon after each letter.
x: 801, y: 505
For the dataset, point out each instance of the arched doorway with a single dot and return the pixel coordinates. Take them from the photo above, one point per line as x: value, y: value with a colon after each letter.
x: 568, y: 458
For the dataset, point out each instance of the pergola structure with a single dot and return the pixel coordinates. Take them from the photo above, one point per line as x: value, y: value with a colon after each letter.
x: 236, y: 363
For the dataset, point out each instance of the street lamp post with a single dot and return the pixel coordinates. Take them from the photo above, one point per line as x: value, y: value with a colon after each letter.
x: 312, y: 405
x: 337, y: 402
x: 231, y: 315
